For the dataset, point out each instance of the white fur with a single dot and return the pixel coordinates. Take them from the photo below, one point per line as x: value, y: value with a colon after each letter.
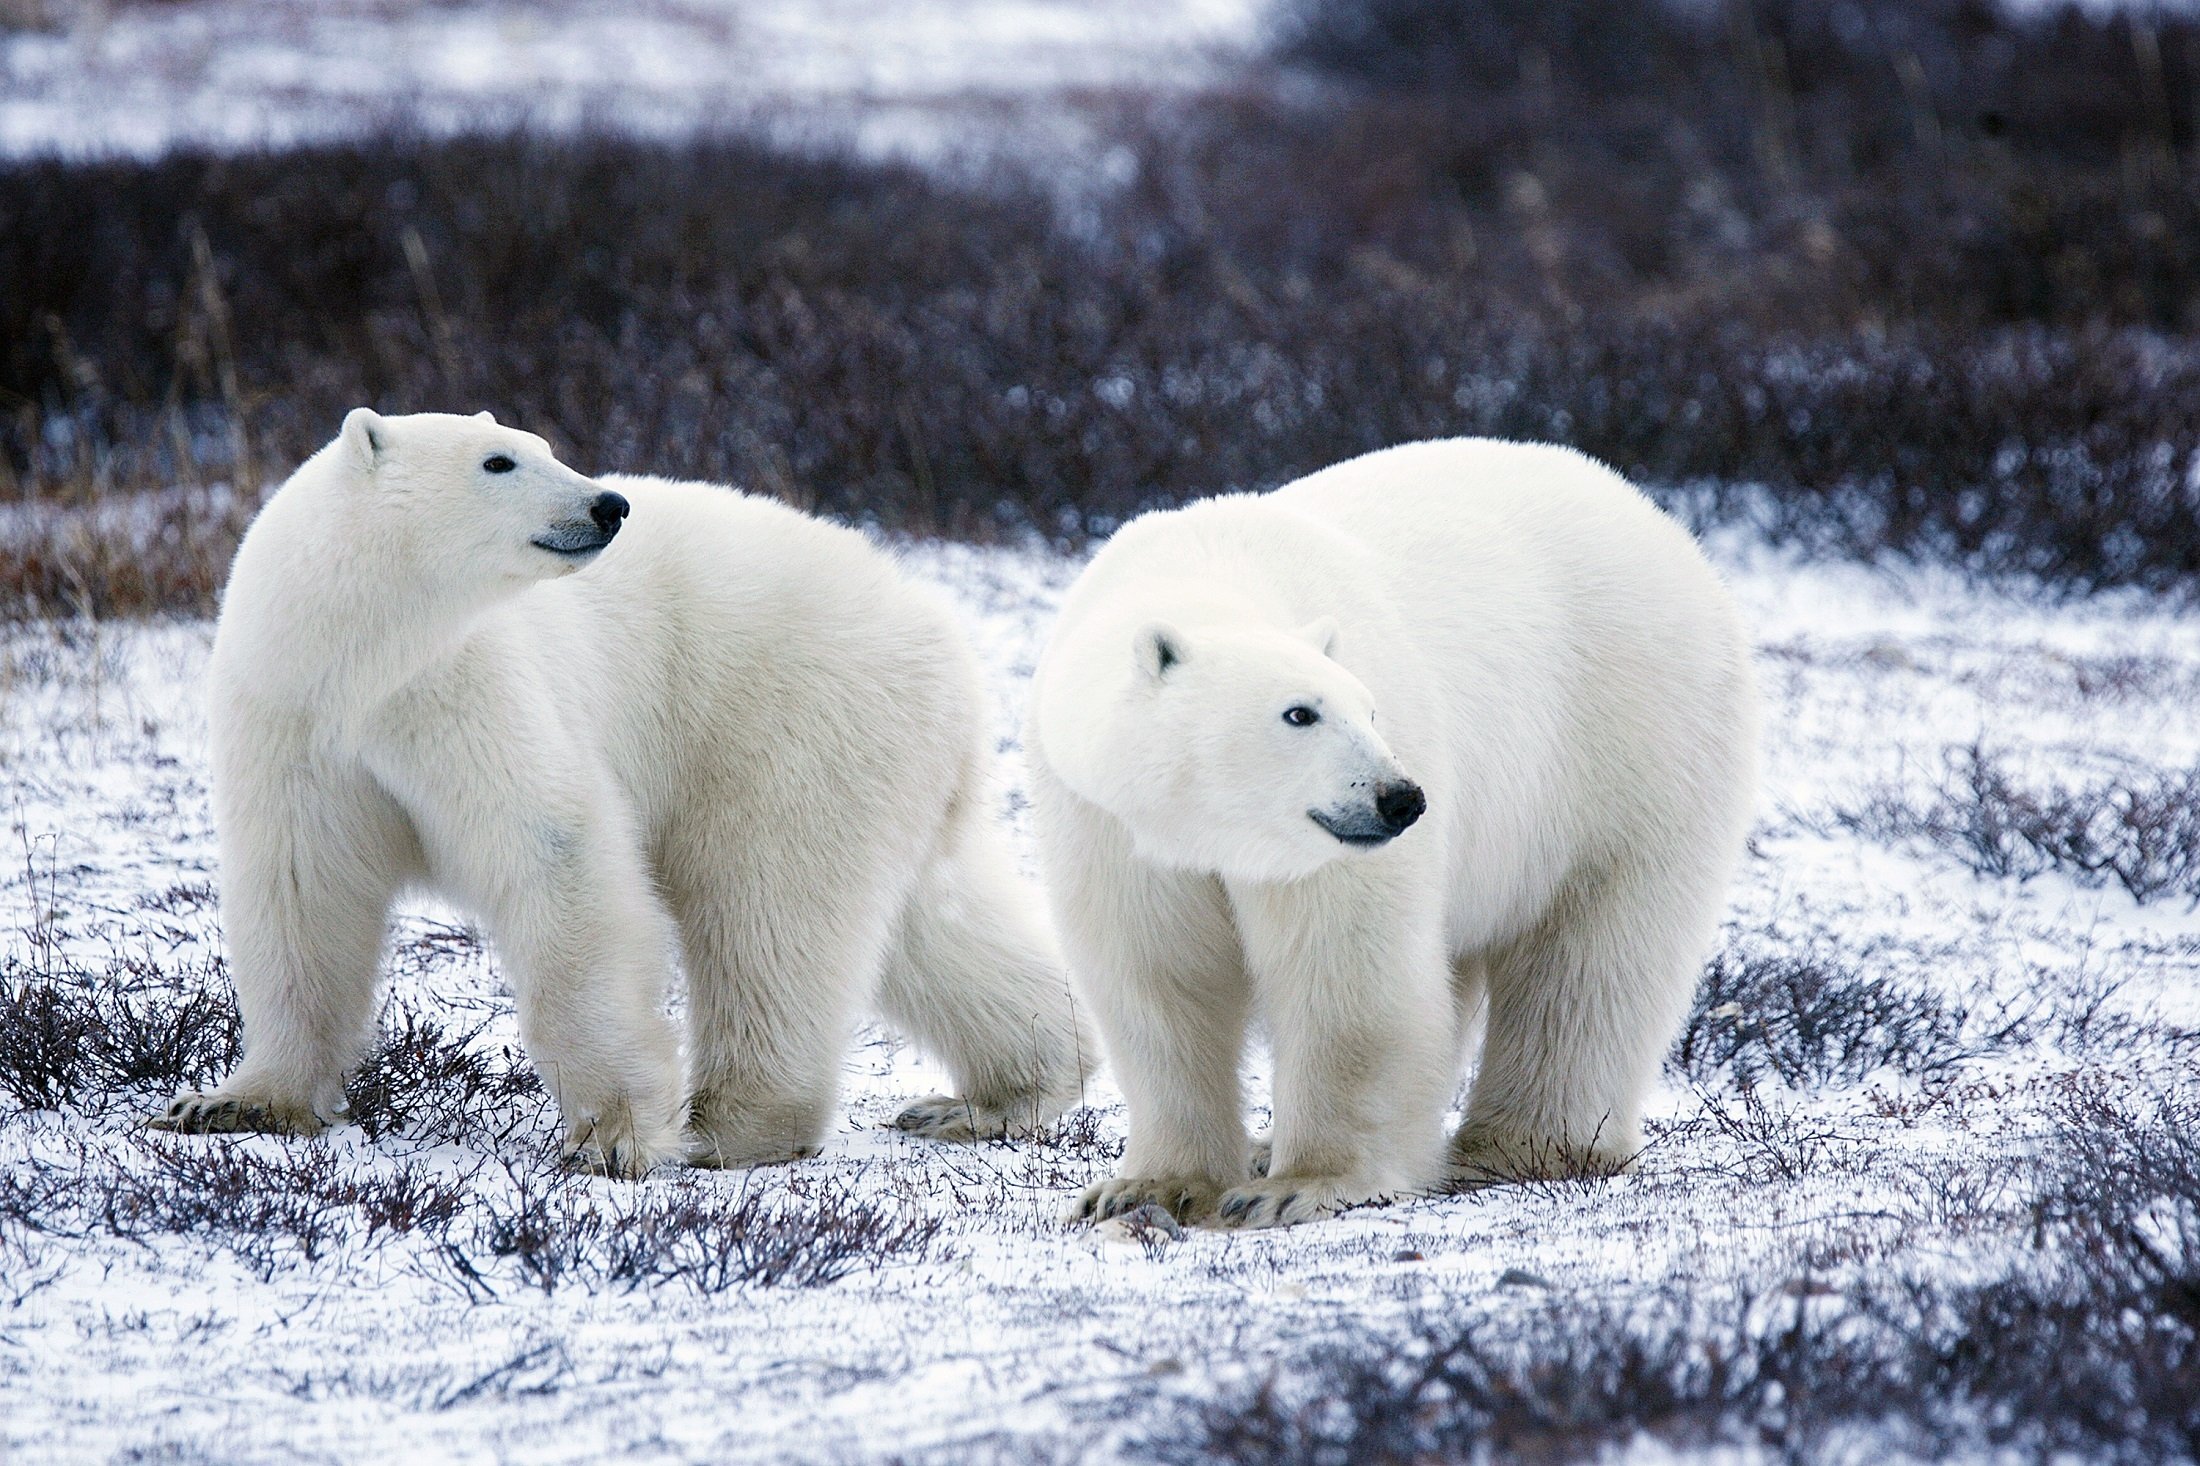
x: 1550, y: 658
x: 740, y: 737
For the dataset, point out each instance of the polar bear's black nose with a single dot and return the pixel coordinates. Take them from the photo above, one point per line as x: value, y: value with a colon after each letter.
x: 1399, y: 805
x: 607, y: 511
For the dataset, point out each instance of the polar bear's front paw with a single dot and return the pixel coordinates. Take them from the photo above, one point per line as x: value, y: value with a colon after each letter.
x: 614, y: 1142
x: 727, y: 1154
x: 1283, y: 1201
x: 1187, y: 1198
x: 221, y: 1113
x: 1479, y: 1160
x: 626, y: 1158
x: 729, y: 1134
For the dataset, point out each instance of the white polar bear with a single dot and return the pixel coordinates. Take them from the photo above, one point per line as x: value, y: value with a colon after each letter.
x: 741, y: 736
x: 1244, y: 710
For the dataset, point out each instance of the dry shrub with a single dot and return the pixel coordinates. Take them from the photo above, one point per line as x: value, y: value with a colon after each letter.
x: 1915, y: 278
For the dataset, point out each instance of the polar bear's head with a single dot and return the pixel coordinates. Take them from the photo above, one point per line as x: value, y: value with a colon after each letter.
x: 1247, y: 751
x: 485, y: 500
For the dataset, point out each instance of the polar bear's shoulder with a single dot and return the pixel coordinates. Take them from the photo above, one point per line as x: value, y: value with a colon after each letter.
x: 683, y: 517
x: 691, y: 502
x: 747, y: 565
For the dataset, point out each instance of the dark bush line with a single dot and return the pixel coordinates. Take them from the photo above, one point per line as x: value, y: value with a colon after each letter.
x: 1811, y: 1020
x: 2140, y: 832
x: 1893, y: 332
x: 2058, y: 80
x: 1562, y: 1387
x: 1956, y: 160
x: 552, y: 1232
x: 293, y: 1205
x: 71, y: 1037
x: 426, y: 1081
x: 2089, y: 1347
x: 136, y: 548
x: 271, y: 1211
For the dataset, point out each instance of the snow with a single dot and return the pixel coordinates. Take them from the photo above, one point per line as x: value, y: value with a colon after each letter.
x: 928, y: 79
x: 1011, y: 1335
x: 1014, y: 1335
x: 917, y: 77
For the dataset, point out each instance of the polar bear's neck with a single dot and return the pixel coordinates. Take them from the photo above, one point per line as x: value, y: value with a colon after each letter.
x: 332, y: 621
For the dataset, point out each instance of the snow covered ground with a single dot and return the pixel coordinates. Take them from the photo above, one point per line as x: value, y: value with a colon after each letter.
x: 437, y: 1290
x: 1917, y: 991
x: 916, y: 77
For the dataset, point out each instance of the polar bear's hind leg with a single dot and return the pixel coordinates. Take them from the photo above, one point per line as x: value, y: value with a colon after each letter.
x: 973, y: 976
x: 1579, y: 1014
x: 775, y: 977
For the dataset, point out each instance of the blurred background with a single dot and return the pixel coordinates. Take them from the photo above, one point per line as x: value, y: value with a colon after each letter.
x: 1912, y: 278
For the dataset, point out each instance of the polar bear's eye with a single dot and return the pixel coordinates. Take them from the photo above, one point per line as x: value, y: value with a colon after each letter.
x: 498, y: 463
x: 1299, y: 715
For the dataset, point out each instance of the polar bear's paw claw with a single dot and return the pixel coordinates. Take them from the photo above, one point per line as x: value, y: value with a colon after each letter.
x: 950, y: 1117
x: 1478, y: 1162
x: 228, y: 1114
x: 625, y: 1160
x: 728, y: 1134
x: 1281, y: 1201
x: 713, y: 1155
x: 614, y: 1143
x: 1187, y: 1198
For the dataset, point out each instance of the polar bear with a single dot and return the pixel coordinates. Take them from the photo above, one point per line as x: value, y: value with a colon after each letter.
x: 1453, y: 727
x: 718, y: 728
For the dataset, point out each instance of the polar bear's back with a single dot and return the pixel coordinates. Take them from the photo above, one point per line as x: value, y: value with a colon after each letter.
x: 747, y: 626
x: 1589, y: 657
x: 1478, y: 538
x: 753, y: 582
x: 1521, y: 514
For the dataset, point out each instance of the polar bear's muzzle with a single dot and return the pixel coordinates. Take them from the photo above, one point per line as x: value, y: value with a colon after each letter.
x: 575, y: 538
x: 1393, y: 811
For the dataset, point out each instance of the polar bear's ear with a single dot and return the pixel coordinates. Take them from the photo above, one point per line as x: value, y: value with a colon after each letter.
x: 1160, y: 647
x: 365, y: 435
x: 1321, y: 634
x: 487, y: 417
